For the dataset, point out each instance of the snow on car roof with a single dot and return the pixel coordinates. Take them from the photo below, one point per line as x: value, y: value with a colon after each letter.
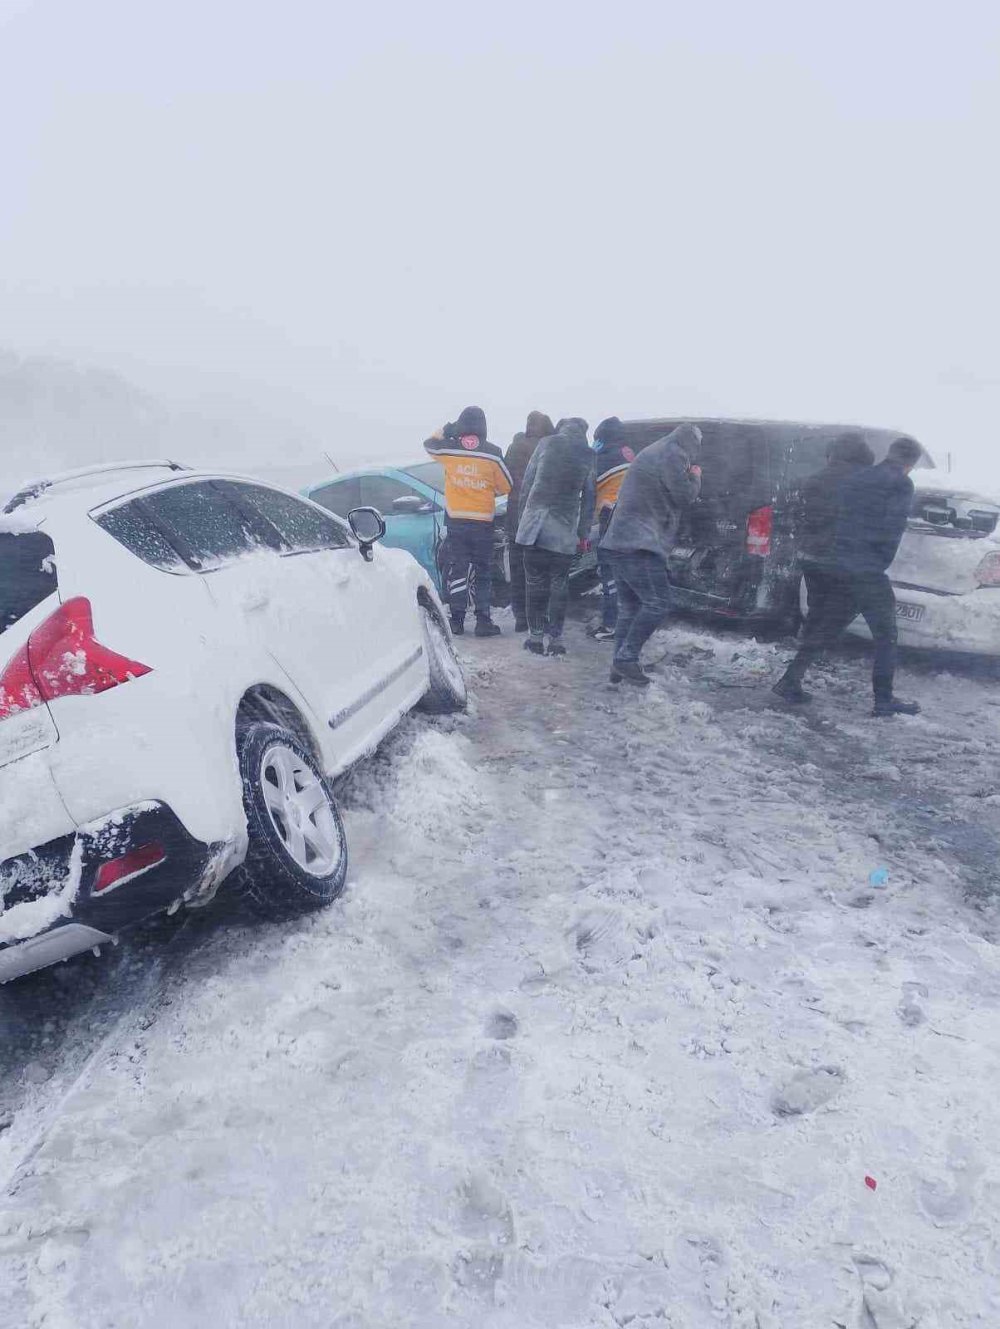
x: 87, y: 478
x: 97, y: 488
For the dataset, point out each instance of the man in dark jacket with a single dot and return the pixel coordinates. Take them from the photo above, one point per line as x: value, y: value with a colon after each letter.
x: 519, y: 453
x: 872, y: 512
x: 474, y: 477
x: 557, y: 503
x: 816, y: 526
x: 661, y: 484
x: 612, y: 458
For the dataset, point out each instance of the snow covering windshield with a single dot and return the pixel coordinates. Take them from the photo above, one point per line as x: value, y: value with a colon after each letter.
x: 27, y: 573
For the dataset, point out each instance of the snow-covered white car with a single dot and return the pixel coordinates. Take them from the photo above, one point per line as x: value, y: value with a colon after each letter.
x: 186, y: 661
x: 947, y: 572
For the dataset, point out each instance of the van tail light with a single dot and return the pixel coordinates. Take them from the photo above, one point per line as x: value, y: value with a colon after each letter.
x: 120, y: 871
x: 988, y: 572
x: 63, y: 659
x: 760, y: 525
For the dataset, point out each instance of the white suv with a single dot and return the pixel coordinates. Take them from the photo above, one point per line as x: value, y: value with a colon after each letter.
x: 186, y: 660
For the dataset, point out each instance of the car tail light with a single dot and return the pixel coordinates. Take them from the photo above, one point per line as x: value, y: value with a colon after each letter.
x: 18, y: 691
x: 988, y: 572
x: 63, y: 659
x: 120, y: 871
x: 760, y: 525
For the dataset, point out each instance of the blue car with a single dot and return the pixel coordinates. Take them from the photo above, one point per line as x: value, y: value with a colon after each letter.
x: 411, y: 499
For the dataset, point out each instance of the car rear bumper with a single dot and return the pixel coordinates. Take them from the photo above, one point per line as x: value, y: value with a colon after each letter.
x: 966, y: 624
x: 56, y: 901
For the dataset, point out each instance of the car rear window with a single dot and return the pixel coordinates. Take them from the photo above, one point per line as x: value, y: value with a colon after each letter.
x: 136, y: 532
x: 736, y: 460
x: 206, y: 526
x: 27, y: 574
x: 300, y: 525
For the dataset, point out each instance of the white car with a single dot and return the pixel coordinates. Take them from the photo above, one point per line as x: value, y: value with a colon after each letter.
x: 947, y: 573
x: 186, y: 661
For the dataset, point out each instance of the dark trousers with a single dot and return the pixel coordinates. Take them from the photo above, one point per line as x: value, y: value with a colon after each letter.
x: 818, y: 584
x: 547, y: 577
x: 470, y: 552
x: 518, y: 586
x: 609, y: 592
x: 644, y: 600
x: 606, y: 572
x: 839, y: 598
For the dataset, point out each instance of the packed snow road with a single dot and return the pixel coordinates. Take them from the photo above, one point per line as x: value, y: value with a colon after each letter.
x: 610, y: 1028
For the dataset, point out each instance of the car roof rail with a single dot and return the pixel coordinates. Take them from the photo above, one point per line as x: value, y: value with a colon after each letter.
x: 38, y: 487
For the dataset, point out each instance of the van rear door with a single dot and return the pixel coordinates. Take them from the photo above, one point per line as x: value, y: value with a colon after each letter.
x: 710, y: 561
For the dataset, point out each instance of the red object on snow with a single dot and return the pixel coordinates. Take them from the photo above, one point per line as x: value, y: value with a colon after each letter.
x: 871, y: 1183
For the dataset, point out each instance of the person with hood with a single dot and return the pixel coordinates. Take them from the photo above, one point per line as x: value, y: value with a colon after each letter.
x: 474, y: 477
x: 872, y: 509
x: 612, y: 458
x: 557, y: 502
x: 816, y: 525
x: 519, y: 453
x: 660, y: 485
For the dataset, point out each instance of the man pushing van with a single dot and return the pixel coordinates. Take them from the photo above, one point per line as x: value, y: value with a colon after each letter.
x: 662, y: 482
x: 872, y: 504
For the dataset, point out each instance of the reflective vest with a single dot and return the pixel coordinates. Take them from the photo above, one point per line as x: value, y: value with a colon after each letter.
x: 610, y: 465
x: 474, y: 476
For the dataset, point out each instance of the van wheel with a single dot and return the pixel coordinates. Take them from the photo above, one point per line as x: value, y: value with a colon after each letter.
x: 297, y: 854
x: 447, y: 691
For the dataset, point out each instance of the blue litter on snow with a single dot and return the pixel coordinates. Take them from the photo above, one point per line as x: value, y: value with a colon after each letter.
x: 879, y: 877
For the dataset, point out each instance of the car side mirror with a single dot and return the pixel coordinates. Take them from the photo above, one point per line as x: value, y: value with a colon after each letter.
x: 368, y: 528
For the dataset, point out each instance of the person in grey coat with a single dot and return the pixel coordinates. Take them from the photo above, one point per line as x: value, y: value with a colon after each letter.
x: 518, y: 456
x: 662, y: 482
x: 557, y: 505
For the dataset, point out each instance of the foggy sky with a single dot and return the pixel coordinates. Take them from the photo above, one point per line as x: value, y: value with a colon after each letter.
x: 360, y: 219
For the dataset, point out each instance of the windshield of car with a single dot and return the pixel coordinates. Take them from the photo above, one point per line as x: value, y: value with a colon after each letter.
x: 27, y: 574
x: 430, y: 473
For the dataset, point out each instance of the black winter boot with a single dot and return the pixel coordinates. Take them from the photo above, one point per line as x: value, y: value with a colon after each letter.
x: 535, y: 646
x: 789, y: 688
x: 629, y: 671
x: 485, y: 627
x: 457, y: 627
x: 885, y: 707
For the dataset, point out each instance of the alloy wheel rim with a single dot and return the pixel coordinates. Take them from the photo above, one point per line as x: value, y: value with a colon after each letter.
x: 301, y: 811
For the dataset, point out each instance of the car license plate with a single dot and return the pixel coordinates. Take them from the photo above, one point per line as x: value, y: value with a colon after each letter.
x: 913, y: 613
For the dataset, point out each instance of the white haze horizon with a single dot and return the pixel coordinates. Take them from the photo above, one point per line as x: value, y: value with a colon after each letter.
x: 319, y: 229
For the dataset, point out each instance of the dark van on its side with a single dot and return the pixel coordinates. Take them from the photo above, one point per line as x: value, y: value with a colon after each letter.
x: 736, y: 552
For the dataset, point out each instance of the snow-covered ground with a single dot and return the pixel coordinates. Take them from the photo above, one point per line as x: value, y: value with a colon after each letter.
x: 610, y: 1028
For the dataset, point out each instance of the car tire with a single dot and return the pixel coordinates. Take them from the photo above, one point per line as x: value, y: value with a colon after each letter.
x: 297, y: 851
x: 446, y: 691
